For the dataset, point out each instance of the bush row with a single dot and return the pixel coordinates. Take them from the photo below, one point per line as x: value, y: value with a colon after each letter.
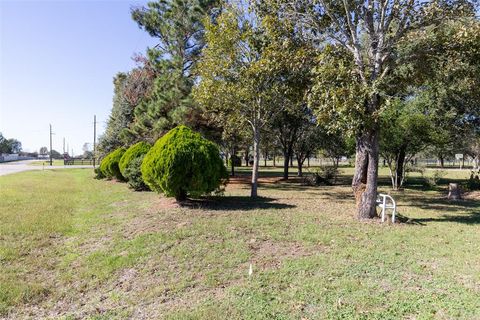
x: 181, y: 163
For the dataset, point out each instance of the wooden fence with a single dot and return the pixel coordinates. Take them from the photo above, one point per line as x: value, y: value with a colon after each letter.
x: 78, y: 162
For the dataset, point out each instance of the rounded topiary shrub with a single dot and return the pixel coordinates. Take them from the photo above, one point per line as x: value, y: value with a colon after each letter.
x: 130, y: 165
x: 183, y: 163
x: 137, y: 150
x: 109, y: 164
x: 133, y: 174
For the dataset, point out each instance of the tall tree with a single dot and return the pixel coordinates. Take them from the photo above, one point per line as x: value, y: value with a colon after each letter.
x: 9, y: 145
x: 43, y: 150
x: 307, y: 143
x: 442, y: 66
x: 288, y: 126
x: 178, y: 27
x: 365, y: 34
x: 246, y: 70
x: 406, y: 130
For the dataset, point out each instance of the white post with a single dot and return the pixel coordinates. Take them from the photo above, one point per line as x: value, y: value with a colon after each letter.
x: 383, y: 208
x: 393, y: 213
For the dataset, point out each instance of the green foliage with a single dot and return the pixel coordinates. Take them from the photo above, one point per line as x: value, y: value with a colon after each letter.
x: 109, y: 164
x: 326, y: 175
x: 434, y: 179
x: 183, y: 163
x: 120, y: 118
x: 237, y: 161
x: 178, y: 26
x: 98, y: 173
x: 251, y: 68
x: 473, y: 182
x: 406, y: 130
x: 338, y: 95
x: 9, y: 145
x: 130, y: 164
x: 133, y: 174
x: 137, y: 150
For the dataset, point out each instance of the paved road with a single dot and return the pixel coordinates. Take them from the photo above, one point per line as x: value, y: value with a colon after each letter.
x: 19, y: 166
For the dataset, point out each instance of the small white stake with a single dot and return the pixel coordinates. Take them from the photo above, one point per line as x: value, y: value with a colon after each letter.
x: 250, y: 270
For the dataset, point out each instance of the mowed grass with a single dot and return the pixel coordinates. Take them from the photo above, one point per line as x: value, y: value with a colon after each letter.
x: 75, y: 247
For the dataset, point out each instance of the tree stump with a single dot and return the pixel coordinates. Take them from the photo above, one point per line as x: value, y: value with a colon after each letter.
x: 454, y: 191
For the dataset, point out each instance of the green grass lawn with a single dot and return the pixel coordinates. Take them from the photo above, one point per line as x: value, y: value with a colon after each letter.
x: 74, y: 247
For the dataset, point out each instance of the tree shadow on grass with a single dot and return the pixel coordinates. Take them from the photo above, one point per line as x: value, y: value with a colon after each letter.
x: 468, y: 218
x: 233, y: 203
x: 440, y: 203
x: 458, y: 211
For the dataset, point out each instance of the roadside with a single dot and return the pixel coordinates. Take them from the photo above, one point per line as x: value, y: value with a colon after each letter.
x: 20, y: 166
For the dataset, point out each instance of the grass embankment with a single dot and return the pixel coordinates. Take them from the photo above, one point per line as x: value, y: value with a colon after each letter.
x: 72, y: 246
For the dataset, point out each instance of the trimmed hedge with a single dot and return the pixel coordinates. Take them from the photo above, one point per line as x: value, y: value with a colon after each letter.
x: 135, y: 151
x: 133, y: 174
x: 109, y: 164
x: 183, y: 163
x: 130, y: 164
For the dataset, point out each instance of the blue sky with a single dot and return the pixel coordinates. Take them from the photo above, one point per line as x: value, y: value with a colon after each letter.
x: 57, y: 62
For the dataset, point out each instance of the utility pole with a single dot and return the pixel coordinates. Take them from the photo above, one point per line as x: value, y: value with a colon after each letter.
x: 94, y: 137
x: 51, y: 145
x: 63, y: 145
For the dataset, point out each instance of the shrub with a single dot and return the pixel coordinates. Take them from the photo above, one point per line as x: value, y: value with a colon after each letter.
x: 109, y: 164
x: 133, y: 174
x: 98, y: 173
x: 326, y: 175
x: 137, y: 150
x: 474, y: 182
x: 183, y: 163
x: 434, y: 179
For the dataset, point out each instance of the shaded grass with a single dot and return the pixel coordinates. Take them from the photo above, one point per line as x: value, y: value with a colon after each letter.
x: 72, y: 246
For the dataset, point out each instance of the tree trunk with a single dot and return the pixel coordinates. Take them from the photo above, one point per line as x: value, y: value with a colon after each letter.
x: 308, y: 161
x: 246, y: 157
x: 286, y: 158
x: 442, y: 161
x: 291, y: 159
x: 265, y: 160
x: 399, y: 169
x: 335, y: 162
x: 274, y: 162
x: 300, y: 166
x: 364, y: 183
x: 256, y: 160
x: 232, y: 165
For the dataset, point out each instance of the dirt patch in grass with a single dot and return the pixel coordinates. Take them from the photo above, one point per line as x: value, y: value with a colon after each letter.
x: 267, y: 254
x: 161, y: 203
x: 472, y: 195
